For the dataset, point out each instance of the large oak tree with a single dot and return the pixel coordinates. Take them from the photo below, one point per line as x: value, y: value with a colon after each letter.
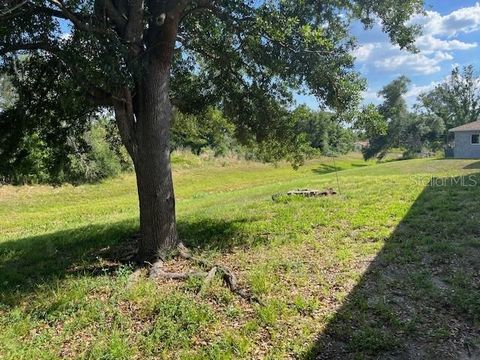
x: 69, y: 58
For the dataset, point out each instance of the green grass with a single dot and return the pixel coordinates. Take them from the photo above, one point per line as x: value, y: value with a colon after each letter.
x: 387, y: 269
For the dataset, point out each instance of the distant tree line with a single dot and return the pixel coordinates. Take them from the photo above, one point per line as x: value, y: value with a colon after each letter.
x: 424, y: 128
x: 91, y: 151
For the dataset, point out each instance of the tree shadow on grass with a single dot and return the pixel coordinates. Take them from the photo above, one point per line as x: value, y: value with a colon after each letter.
x: 325, y: 169
x: 475, y: 165
x: 420, y: 297
x: 27, y: 262
x: 94, y: 250
x: 215, y: 234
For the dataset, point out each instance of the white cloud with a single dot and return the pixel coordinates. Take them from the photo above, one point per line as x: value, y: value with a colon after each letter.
x: 463, y: 20
x: 364, y: 52
x: 437, y: 49
x: 416, y: 90
x: 413, y: 63
x: 387, y: 57
x: 429, y: 43
x: 435, y: 46
x: 371, y: 96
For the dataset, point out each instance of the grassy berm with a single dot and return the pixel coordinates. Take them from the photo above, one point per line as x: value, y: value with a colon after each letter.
x: 387, y: 269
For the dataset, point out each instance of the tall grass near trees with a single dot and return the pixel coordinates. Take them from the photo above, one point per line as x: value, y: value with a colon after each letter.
x: 92, y: 152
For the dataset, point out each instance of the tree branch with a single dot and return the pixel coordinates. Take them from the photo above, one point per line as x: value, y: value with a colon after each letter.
x: 77, y: 21
x: 10, y: 48
x: 120, y: 20
x: 134, y: 27
x: 125, y: 119
x: 10, y: 11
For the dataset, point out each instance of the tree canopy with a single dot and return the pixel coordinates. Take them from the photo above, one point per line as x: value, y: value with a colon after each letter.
x: 247, y: 55
x: 456, y: 100
x: 140, y: 56
x: 396, y: 126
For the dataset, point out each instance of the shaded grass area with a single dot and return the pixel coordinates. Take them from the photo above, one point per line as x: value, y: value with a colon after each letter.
x: 379, y: 271
x: 28, y: 262
x: 420, y: 297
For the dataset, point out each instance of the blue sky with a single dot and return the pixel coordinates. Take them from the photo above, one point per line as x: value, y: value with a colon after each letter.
x: 451, y: 36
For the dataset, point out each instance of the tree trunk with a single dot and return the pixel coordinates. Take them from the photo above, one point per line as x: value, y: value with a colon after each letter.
x: 152, y: 164
x: 143, y: 115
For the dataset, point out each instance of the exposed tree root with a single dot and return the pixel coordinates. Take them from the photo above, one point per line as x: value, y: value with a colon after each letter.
x: 229, y: 278
x: 127, y: 254
x: 208, y: 280
x: 231, y: 281
x: 156, y: 271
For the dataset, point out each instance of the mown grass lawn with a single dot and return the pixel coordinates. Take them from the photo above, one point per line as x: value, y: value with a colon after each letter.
x: 390, y: 268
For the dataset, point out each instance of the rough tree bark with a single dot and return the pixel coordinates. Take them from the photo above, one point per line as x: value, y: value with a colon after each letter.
x: 144, y: 122
x: 152, y: 130
x: 152, y: 166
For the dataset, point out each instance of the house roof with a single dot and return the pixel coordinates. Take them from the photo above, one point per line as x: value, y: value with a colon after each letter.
x: 473, y: 126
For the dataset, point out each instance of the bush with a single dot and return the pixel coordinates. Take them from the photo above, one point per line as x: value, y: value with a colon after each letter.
x: 100, y: 161
x: 323, y: 131
x: 28, y: 165
x: 97, y: 154
x: 209, y: 129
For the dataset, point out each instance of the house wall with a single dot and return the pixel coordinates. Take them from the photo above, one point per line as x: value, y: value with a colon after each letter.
x: 464, y: 149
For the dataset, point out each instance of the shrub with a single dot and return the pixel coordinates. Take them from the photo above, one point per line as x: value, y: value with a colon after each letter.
x: 99, y: 161
x: 31, y: 157
x: 28, y: 165
x: 209, y: 129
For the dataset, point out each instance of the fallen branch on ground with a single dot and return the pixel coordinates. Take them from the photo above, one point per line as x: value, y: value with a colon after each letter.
x: 304, y: 193
x: 312, y: 193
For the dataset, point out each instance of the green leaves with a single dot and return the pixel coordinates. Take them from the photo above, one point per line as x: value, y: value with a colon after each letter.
x: 371, y: 122
x: 247, y: 58
x: 392, y: 125
x: 456, y: 100
x: 208, y: 129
